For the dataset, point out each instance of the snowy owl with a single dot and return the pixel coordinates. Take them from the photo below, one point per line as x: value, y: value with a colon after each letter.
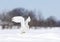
x: 24, y: 23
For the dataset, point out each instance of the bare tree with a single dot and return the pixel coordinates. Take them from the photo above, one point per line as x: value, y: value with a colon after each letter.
x: 51, y: 21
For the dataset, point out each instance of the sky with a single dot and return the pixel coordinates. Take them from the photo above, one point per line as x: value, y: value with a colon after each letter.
x: 46, y: 7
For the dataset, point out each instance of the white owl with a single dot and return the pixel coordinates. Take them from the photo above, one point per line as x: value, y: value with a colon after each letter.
x: 24, y: 23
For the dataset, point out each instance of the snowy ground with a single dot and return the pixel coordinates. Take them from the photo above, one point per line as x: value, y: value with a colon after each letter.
x: 38, y: 35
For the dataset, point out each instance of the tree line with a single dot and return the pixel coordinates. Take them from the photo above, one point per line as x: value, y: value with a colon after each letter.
x: 35, y: 21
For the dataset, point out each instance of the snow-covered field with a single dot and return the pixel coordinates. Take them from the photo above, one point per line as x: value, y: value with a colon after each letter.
x: 33, y: 35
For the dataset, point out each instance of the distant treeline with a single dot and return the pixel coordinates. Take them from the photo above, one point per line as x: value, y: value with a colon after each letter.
x: 35, y: 20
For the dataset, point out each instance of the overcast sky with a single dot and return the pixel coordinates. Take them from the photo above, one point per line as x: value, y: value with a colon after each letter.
x: 47, y: 7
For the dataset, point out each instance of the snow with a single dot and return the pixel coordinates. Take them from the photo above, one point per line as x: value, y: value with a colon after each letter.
x: 33, y: 35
